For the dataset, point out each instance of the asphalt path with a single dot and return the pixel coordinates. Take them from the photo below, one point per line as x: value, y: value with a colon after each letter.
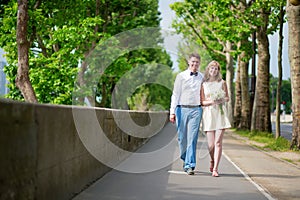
x: 163, y: 177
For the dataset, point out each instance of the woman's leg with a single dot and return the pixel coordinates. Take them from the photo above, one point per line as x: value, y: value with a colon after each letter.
x: 210, y: 135
x: 218, y: 148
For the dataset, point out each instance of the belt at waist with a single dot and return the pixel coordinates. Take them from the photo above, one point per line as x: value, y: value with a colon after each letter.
x: 189, y: 106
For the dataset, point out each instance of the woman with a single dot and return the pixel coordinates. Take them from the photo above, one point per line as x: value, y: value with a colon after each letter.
x: 214, y: 94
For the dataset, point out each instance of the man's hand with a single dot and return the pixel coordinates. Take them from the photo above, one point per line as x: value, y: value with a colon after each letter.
x: 172, y: 118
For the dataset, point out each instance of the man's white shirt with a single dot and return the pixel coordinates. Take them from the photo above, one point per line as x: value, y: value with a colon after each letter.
x: 186, y: 90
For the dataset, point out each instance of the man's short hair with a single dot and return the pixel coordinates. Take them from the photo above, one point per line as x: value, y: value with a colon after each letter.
x: 196, y: 55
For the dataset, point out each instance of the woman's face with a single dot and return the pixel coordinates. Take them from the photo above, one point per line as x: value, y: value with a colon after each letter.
x: 213, y: 71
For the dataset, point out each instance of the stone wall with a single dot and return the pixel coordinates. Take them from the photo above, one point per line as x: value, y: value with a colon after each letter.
x: 53, y: 152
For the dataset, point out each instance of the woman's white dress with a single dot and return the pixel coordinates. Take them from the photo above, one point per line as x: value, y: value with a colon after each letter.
x: 213, y: 118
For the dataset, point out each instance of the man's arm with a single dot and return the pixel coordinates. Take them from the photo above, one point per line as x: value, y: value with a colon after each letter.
x: 175, y: 98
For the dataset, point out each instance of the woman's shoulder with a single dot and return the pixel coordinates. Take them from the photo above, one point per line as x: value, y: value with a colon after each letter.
x: 221, y: 82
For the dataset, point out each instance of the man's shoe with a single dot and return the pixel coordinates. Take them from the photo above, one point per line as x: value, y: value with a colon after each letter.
x: 190, y: 171
x: 183, y: 166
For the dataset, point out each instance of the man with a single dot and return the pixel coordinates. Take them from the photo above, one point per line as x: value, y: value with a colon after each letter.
x: 187, y: 112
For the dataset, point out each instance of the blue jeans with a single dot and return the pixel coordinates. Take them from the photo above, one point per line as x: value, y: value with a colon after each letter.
x: 188, y: 124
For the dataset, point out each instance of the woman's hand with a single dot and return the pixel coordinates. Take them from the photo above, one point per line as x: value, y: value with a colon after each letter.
x: 215, y: 102
x: 219, y: 101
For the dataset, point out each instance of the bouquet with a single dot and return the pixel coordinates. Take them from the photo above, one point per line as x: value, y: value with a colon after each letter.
x: 218, y: 95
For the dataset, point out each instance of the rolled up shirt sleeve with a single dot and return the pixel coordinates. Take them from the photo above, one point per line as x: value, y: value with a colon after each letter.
x: 176, y: 94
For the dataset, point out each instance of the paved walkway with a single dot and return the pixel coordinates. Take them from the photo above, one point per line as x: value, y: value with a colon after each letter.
x: 245, y: 173
x: 280, y: 178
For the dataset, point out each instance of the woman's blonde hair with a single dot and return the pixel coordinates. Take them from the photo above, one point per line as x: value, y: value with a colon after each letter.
x: 213, y: 64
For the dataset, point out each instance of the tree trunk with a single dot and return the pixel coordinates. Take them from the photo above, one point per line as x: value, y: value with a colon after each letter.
x: 238, y: 99
x: 245, y: 119
x: 261, y: 120
x: 84, y: 65
x: 229, y: 81
x: 22, y: 79
x: 253, y: 72
x: 278, y: 95
x: 293, y: 14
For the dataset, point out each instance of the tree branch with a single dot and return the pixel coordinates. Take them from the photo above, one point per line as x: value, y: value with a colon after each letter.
x: 200, y: 37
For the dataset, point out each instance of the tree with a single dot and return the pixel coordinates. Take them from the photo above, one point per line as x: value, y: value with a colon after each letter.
x: 214, y: 27
x: 185, y: 47
x: 261, y: 111
x: 278, y: 99
x: 223, y: 28
x: 63, y: 36
x: 152, y: 91
x: 22, y: 80
x: 238, y: 100
x: 127, y: 15
x: 56, y: 46
x: 268, y: 15
x: 285, y: 94
x: 242, y: 106
x: 293, y: 13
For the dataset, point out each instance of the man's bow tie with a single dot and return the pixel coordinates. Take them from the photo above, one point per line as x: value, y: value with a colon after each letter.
x: 194, y: 73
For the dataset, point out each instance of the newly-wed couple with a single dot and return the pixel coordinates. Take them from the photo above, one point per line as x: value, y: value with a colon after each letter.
x: 197, y: 97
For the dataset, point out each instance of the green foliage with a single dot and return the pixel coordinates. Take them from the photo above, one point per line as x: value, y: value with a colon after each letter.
x: 185, y: 48
x: 279, y: 144
x: 151, y: 97
x: 63, y: 35
x: 56, y: 46
x: 146, y: 83
x: 275, y: 6
x: 211, y: 23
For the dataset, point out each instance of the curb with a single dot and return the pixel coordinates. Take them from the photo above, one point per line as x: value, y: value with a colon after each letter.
x: 234, y: 135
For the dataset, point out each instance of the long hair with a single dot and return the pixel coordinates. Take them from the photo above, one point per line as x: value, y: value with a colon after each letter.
x: 212, y: 64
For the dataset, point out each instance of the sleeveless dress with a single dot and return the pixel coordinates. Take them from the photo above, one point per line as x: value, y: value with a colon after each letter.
x: 215, y: 116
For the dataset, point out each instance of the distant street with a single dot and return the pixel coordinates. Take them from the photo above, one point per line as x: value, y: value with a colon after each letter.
x: 285, y: 130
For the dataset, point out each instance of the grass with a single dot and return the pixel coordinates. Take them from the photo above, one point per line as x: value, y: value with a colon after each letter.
x: 288, y: 160
x: 267, y: 140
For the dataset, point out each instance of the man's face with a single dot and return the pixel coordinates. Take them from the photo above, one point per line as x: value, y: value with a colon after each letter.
x: 194, y: 64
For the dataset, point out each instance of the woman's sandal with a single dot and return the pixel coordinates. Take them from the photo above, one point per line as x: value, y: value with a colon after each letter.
x: 211, y: 166
x: 215, y: 173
